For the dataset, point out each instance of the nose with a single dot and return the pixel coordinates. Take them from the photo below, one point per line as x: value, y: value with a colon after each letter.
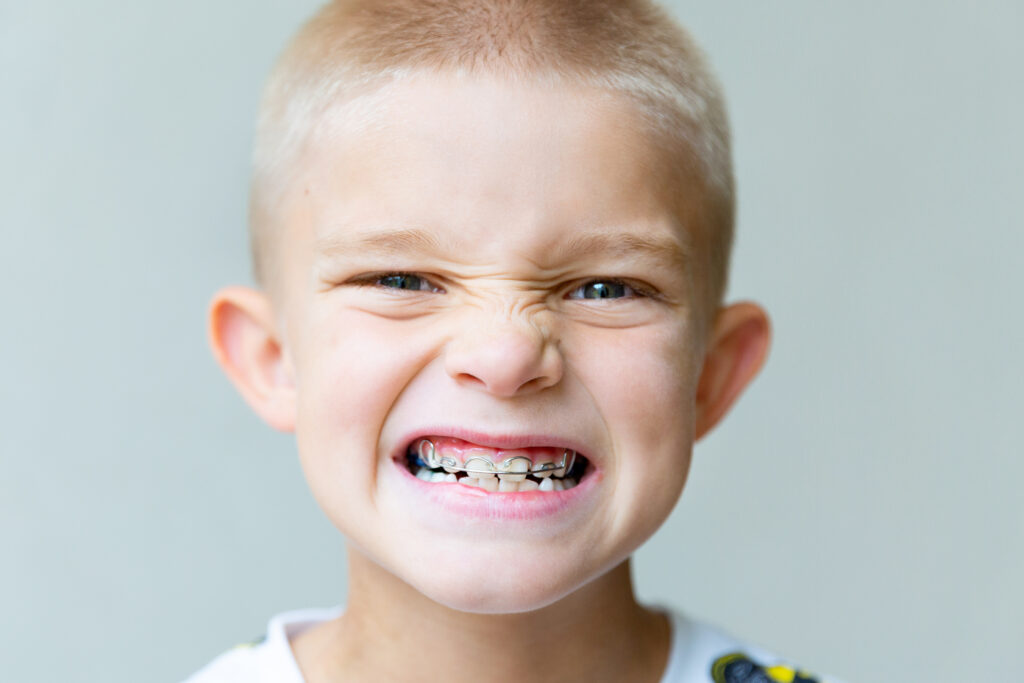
x: 507, y: 358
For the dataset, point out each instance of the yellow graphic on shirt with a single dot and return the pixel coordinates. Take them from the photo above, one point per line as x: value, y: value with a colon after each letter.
x: 738, y: 668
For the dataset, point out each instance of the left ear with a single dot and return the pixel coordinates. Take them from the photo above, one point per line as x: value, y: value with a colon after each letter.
x: 740, y: 337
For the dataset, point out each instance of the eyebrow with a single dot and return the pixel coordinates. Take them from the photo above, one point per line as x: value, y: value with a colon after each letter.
x: 387, y: 242
x: 662, y: 250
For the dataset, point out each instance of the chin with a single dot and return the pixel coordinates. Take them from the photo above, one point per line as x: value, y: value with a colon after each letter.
x: 498, y: 586
x: 493, y: 600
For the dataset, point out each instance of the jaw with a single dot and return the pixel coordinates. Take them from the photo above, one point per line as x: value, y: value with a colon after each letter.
x: 503, y: 577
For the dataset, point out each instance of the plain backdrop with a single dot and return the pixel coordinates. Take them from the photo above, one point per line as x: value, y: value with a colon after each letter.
x: 859, y: 511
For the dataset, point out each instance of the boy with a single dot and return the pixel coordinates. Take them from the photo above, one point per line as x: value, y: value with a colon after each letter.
x: 491, y: 238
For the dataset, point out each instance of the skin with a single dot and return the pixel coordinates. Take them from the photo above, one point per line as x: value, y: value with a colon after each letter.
x: 505, y: 206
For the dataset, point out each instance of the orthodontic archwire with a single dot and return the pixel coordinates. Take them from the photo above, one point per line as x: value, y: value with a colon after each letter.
x: 428, y: 454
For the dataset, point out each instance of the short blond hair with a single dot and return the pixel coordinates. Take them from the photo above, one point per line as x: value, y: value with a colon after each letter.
x: 630, y: 47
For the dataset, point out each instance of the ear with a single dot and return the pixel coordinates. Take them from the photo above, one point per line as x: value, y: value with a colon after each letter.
x: 740, y: 338
x: 248, y: 347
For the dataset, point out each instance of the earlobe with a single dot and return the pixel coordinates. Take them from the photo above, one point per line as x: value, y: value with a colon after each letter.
x: 739, y: 344
x: 247, y: 345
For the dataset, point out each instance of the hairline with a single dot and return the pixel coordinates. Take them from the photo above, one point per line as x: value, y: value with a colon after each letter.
x: 687, y: 120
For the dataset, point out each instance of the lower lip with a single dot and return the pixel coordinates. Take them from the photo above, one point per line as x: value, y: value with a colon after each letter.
x: 473, y: 502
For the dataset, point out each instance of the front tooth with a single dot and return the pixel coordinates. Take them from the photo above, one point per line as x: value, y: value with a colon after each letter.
x: 438, y: 477
x: 545, y: 474
x: 558, y: 484
x: 481, y: 463
x: 450, y: 478
x: 507, y: 485
x: 546, y: 485
x: 517, y: 468
x: 489, y: 484
x: 528, y: 485
x: 424, y: 449
x: 469, y: 481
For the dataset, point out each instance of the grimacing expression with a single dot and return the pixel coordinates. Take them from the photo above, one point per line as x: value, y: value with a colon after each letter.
x: 491, y: 262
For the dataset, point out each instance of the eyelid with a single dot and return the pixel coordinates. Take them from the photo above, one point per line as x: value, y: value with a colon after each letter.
x: 373, y: 280
x: 640, y: 289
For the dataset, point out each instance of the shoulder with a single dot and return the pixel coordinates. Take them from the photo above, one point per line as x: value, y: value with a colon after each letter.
x: 701, y: 652
x: 240, y: 663
x: 267, y: 659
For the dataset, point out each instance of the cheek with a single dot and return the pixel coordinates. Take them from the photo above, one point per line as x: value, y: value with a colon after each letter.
x: 644, y: 385
x: 643, y: 382
x: 350, y: 369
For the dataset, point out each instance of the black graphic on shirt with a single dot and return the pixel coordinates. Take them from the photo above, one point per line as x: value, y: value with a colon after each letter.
x: 738, y: 668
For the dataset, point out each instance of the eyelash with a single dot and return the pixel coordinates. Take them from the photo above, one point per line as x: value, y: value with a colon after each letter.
x: 637, y: 290
x: 375, y: 280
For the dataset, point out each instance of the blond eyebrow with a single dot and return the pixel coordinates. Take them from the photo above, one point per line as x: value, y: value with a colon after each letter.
x: 665, y: 250
x: 387, y: 242
x: 662, y: 250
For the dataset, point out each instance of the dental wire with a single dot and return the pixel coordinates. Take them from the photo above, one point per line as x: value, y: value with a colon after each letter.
x: 434, y: 461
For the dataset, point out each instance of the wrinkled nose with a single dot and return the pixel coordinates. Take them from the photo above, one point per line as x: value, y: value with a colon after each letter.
x: 506, y: 359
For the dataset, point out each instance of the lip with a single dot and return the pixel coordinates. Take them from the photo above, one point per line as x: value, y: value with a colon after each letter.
x: 463, y: 502
x: 496, y: 440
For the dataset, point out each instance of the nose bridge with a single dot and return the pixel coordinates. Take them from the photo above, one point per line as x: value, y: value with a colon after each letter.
x: 506, y: 346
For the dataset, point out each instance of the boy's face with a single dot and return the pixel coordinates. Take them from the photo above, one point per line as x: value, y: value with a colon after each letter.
x: 495, y: 263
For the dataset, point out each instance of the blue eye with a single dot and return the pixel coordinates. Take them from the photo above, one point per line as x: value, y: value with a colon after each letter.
x: 406, y: 281
x: 602, y: 289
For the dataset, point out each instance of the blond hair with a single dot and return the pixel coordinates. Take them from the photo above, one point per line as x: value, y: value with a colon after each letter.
x: 352, y: 48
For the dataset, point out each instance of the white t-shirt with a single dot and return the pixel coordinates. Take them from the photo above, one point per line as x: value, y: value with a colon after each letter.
x: 698, y: 654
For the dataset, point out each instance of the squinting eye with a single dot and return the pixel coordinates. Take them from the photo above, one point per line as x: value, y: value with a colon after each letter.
x: 406, y: 281
x: 602, y: 289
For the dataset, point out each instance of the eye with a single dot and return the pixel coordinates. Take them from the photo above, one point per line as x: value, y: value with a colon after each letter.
x: 406, y: 281
x: 603, y: 289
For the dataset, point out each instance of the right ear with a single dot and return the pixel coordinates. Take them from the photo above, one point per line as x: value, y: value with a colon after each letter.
x: 248, y: 347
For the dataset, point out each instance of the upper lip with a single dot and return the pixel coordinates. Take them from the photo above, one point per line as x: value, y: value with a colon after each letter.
x: 498, y: 440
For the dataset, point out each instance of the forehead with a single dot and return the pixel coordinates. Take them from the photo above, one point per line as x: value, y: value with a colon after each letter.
x: 488, y: 167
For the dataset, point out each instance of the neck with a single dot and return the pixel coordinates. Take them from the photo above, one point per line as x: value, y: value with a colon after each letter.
x: 390, y: 631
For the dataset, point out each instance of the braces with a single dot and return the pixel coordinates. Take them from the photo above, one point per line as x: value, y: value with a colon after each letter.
x: 428, y: 454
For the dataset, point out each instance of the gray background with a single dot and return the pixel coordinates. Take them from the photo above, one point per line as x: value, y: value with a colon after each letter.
x: 859, y: 511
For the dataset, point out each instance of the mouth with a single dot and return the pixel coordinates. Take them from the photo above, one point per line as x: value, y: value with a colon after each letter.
x: 445, y: 460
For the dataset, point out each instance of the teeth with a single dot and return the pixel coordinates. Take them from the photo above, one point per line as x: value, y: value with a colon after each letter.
x: 568, y: 460
x: 480, y: 464
x: 517, y: 467
x: 425, y: 449
x: 507, y: 477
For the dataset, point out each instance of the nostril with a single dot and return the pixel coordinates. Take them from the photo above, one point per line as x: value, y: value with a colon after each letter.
x: 505, y: 385
x: 468, y: 378
x: 534, y: 384
x: 504, y: 362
